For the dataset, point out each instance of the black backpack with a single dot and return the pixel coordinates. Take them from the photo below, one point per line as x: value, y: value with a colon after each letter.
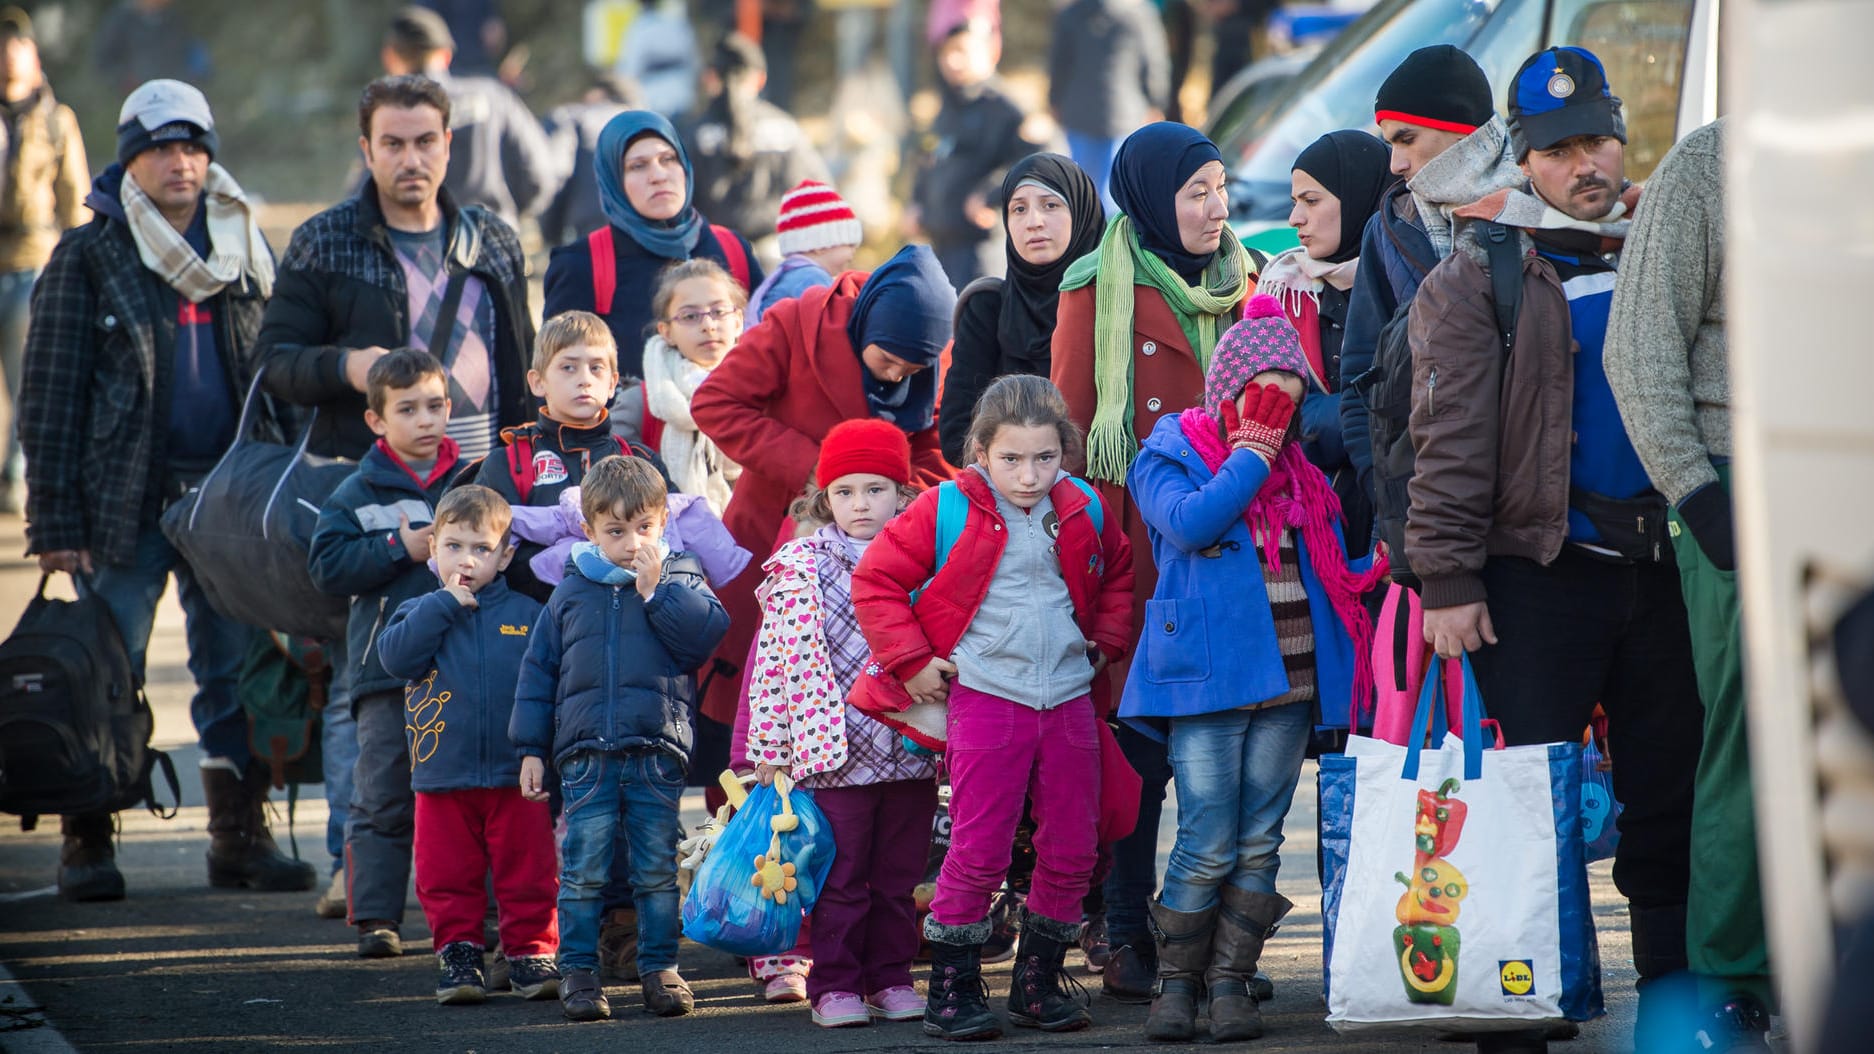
x: 74, y: 724
x: 1387, y: 390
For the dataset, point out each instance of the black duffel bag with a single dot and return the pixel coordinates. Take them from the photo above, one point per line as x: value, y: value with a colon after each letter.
x: 246, y: 528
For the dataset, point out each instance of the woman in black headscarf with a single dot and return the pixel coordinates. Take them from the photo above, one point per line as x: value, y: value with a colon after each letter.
x: 1336, y: 185
x: 1052, y: 215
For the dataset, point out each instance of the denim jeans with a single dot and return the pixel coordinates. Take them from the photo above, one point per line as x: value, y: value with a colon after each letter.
x: 640, y: 792
x: 216, y: 644
x: 1135, y: 857
x: 16, y: 290
x: 1236, y: 772
x: 338, y: 744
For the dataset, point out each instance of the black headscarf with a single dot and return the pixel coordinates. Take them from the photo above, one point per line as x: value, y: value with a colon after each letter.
x: 1354, y: 167
x: 1031, y: 292
x: 1148, y: 171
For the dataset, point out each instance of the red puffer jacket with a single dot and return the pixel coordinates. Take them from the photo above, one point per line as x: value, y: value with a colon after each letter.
x: 1096, y: 565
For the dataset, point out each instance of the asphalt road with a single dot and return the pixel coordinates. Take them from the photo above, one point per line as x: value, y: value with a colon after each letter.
x: 178, y: 964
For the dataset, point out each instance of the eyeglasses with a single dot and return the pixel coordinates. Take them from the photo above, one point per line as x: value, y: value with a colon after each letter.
x: 695, y: 318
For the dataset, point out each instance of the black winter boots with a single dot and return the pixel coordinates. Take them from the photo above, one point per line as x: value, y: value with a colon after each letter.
x: 958, y: 1003
x: 1036, y: 999
x: 241, y: 850
x: 88, y: 859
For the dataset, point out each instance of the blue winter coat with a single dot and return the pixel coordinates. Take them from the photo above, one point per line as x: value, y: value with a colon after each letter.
x: 356, y: 551
x: 1395, y: 255
x: 460, y: 665
x: 1209, y: 642
x: 607, y: 670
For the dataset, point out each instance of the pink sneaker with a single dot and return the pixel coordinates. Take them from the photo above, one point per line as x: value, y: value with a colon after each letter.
x: 840, y: 1010
x: 901, y: 1003
x: 787, y: 988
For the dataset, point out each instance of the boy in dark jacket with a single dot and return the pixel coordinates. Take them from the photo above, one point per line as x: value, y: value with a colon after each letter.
x: 459, y: 649
x: 371, y: 544
x: 606, y: 693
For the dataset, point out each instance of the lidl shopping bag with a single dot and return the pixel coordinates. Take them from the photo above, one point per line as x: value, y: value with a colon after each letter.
x: 1457, y: 891
x: 763, y: 875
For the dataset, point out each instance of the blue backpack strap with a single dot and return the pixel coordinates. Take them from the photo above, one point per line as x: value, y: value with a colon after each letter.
x: 1094, y: 509
x: 952, y: 510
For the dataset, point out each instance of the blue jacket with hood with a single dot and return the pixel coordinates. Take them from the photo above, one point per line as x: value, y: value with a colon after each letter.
x: 1395, y: 256
x: 460, y: 665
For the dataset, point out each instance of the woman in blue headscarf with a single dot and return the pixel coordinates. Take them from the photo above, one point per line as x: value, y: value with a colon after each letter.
x: 646, y: 188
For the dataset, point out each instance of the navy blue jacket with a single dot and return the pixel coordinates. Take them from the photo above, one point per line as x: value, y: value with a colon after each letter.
x: 607, y: 670
x: 1386, y: 278
x: 461, y: 665
x: 357, y: 552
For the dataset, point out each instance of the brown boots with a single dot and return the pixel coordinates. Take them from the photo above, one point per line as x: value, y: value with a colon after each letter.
x: 1244, y: 921
x: 241, y: 850
x: 1184, y: 939
x: 88, y: 859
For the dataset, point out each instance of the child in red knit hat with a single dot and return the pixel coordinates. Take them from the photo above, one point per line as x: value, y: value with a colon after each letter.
x: 878, y: 797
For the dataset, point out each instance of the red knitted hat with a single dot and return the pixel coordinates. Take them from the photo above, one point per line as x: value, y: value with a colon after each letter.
x: 814, y: 216
x: 868, y: 445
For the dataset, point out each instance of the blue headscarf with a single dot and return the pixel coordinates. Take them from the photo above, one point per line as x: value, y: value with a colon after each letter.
x: 905, y: 308
x: 1150, y: 167
x: 674, y: 238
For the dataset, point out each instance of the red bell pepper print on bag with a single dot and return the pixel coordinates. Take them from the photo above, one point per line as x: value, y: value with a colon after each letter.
x: 1426, y: 939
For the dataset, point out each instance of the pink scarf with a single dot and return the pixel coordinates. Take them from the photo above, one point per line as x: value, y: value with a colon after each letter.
x: 1297, y: 496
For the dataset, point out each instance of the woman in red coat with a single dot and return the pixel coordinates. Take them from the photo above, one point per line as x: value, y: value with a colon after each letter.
x: 866, y: 346
x: 1136, y: 325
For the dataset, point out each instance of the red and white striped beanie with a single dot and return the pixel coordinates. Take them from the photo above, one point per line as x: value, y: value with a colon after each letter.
x: 814, y: 216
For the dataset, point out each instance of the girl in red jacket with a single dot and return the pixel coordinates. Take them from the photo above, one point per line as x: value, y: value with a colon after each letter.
x: 1034, y: 597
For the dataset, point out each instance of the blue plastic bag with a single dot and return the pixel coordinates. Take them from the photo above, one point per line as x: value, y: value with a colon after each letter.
x: 739, y: 906
x: 1599, y: 808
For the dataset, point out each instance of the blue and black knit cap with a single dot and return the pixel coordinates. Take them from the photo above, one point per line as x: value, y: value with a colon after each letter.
x: 1558, y: 94
x: 162, y: 112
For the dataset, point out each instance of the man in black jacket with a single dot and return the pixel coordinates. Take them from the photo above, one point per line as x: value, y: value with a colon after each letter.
x: 133, y: 388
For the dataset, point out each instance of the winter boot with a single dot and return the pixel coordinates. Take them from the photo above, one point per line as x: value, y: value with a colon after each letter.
x: 1244, y: 921
x: 88, y: 859
x: 241, y: 851
x: 1183, y: 953
x: 958, y: 1003
x: 1131, y: 971
x: 1036, y: 999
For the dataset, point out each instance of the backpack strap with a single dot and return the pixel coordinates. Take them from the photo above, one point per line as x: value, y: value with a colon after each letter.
x: 953, y: 510
x: 732, y: 253
x: 604, y: 269
x: 1506, y: 278
x: 521, y: 465
x: 652, y: 430
x: 1094, y: 508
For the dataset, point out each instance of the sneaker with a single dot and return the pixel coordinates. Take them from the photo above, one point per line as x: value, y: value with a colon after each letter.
x: 379, y: 939
x: 582, y: 998
x: 898, y: 1003
x: 843, y: 1010
x: 460, y: 983
x: 500, y: 971
x: 1005, y: 911
x: 787, y: 988
x: 534, y: 976
x: 667, y: 995
x: 331, y: 904
x: 1094, y: 944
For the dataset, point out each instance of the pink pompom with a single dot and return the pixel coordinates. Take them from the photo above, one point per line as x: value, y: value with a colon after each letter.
x: 1263, y: 306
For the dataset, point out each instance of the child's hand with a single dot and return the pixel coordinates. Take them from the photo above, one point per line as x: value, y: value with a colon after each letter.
x: 648, y: 567
x: 1097, y: 656
x: 533, y: 779
x: 931, y: 685
x: 415, y: 539
x: 765, y: 773
x: 462, y: 596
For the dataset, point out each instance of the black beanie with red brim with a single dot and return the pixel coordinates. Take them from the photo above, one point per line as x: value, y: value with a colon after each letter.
x: 1437, y: 87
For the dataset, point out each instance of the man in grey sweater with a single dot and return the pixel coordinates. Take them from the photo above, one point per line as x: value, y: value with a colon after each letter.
x: 1665, y: 361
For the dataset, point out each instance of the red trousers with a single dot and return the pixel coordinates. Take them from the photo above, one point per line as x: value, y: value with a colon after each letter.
x: 463, y: 835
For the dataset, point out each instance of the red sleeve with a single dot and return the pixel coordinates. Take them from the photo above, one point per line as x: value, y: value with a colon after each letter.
x: 898, y: 561
x: 734, y: 404
x: 1113, y: 630
x: 1072, y: 350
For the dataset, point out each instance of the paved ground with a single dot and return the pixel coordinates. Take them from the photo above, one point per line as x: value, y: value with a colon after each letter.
x: 178, y: 963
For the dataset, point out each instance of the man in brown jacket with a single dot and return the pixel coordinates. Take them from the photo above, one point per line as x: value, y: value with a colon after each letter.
x: 42, y: 193
x: 1533, y: 525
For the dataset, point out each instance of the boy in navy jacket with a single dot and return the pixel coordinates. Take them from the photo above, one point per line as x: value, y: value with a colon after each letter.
x: 371, y: 544
x: 606, y: 693
x: 459, y: 648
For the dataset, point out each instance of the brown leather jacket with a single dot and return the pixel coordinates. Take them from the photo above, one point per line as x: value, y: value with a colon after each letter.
x: 1492, y: 433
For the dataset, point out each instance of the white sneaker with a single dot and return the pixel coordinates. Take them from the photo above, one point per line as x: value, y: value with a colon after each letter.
x: 331, y: 903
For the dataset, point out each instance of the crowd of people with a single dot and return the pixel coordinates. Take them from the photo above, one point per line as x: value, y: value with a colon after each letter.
x: 1151, y: 510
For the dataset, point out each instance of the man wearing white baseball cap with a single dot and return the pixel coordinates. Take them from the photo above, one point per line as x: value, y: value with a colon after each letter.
x: 139, y: 350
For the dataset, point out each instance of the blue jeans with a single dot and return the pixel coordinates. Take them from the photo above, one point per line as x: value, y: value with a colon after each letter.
x: 1094, y: 154
x: 603, y: 792
x: 1236, y: 772
x: 216, y: 644
x: 16, y: 290
x: 338, y: 744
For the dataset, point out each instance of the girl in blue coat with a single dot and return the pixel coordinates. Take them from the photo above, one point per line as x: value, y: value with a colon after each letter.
x: 1253, y: 629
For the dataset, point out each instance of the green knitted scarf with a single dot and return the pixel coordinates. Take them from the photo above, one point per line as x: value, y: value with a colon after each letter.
x: 1201, y: 311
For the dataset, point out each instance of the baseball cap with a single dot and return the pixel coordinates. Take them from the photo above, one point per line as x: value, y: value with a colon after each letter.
x: 163, y: 111
x: 1560, y: 93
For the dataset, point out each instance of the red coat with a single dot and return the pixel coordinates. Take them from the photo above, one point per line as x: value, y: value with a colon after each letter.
x: 1166, y: 379
x: 1097, y: 567
x: 767, y: 406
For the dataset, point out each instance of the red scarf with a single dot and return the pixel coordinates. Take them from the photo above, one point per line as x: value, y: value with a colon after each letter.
x: 1297, y: 496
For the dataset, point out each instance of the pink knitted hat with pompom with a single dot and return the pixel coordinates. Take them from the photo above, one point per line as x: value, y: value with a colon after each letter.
x: 1264, y: 340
